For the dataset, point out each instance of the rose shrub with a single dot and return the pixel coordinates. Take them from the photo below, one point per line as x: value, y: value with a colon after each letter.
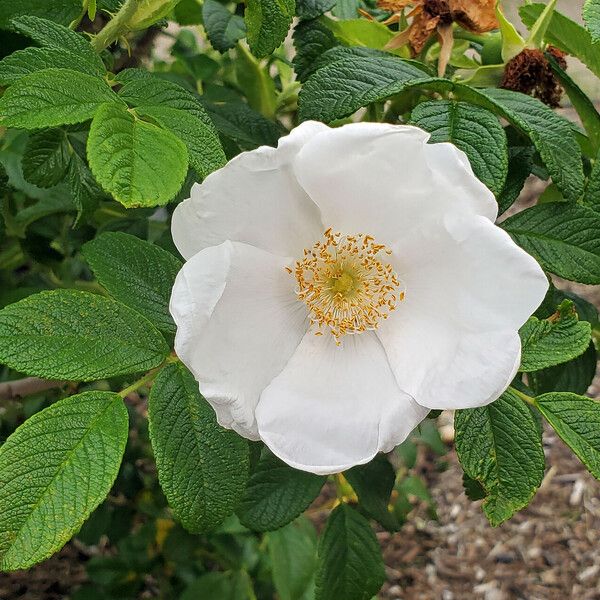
x: 243, y: 272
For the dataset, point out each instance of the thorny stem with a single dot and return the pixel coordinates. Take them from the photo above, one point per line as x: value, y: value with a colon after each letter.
x: 116, y: 27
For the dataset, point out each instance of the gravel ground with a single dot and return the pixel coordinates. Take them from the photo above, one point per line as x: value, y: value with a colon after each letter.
x: 548, y: 551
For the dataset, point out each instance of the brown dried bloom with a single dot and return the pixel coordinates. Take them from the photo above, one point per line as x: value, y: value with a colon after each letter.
x: 437, y: 16
x: 530, y: 73
x: 478, y: 16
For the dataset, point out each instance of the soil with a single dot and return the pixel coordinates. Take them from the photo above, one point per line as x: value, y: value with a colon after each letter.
x: 549, y: 551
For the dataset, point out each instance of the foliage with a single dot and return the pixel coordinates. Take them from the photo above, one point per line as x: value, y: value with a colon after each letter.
x: 96, y: 151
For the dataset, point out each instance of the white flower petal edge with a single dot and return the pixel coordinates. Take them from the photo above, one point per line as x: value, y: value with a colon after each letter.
x: 335, y: 407
x: 454, y: 342
x: 238, y: 323
x: 254, y: 199
x: 383, y: 179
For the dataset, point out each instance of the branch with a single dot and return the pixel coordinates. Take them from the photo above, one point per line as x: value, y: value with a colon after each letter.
x: 20, y: 388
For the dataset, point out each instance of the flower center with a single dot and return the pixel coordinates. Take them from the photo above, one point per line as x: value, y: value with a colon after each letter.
x: 346, y: 285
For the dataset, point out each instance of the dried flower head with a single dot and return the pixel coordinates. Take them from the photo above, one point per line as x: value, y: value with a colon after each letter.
x: 437, y: 16
x: 529, y: 72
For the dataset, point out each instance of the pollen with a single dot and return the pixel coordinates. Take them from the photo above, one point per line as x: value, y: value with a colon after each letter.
x: 346, y: 284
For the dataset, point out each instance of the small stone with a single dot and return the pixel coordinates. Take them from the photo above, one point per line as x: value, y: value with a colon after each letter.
x: 588, y: 574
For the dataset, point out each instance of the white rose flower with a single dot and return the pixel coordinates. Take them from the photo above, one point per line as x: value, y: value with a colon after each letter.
x: 340, y: 286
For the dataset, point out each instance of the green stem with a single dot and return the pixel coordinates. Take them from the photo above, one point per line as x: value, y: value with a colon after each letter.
x: 461, y: 34
x: 116, y: 27
x: 524, y: 397
x: 147, y: 378
x: 74, y: 24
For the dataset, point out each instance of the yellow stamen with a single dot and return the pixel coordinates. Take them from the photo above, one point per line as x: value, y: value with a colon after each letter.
x: 345, y: 285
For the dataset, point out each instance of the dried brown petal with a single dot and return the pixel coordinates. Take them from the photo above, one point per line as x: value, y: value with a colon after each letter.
x: 421, y: 29
x: 446, y: 37
x: 396, y: 5
x: 438, y: 8
x: 478, y: 16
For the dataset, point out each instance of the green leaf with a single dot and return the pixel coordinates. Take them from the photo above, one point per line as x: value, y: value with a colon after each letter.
x: 55, y: 469
x: 551, y: 134
x: 352, y: 80
x: 346, y: 9
x: 24, y: 62
x: 46, y: 158
x: 150, y: 12
x: 373, y: 484
x: 91, y: 9
x: 574, y: 376
x: 500, y: 446
x: 474, y: 130
x: 202, y: 468
x: 3, y: 180
x: 360, y: 32
x: 223, y: 28
x: 553, y: 341
x: 538, y: 29
x: 267, y: 22
x: 276, y: 494
x: 53, y: 97
x: 592, y: 193
x: 65, y: 334
x: 311, y: 40
x: 85, y: 191
x: 576, y: 420
x: 137, y: 162
x: 565, y: 34
x: 473, y: 489
x: 136, y: 273
x: 230, y: 585
x: 176, y: 109
x: 60, y: 11
x: 141, y: 88
x: 61, y: 48
x: 311, y: 9
x: 520, y: 163
x: 563, y: 238
x: 350, y: 562
x: 512, y: 42
x: 293, y: 554
x: 188, y: 12
x: 591, y: 16
x: 204, y: 148
x: 581, y: 102
x: 53, y: 35
x: 586, y: 310
x: 245, y: 126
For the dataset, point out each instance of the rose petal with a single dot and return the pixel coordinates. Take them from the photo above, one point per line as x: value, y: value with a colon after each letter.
x: 333, y: 407
x: 254, y: 199
x: 384, y: 180
x: 453, y: 341
x: 238, y: 323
